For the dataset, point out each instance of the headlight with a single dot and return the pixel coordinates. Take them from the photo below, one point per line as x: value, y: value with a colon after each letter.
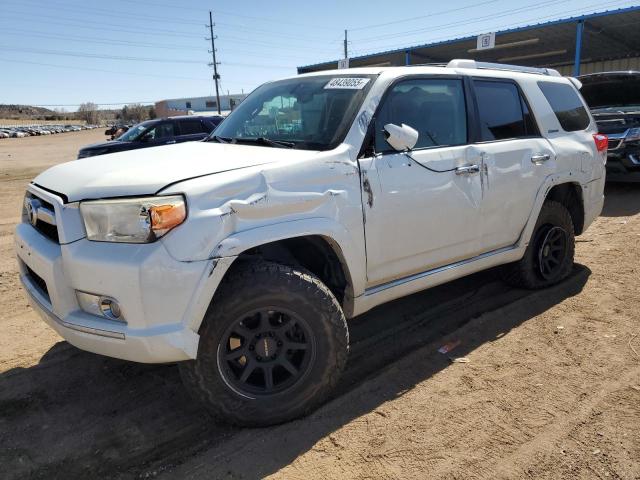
x: 632, y: 135
x: 132, y: 220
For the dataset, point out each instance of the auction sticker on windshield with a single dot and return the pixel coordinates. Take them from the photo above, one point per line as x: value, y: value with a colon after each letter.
x: 347, y: 83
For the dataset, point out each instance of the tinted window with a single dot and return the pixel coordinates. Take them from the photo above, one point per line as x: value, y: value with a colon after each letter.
x: 190, y: 127
x: 567, y: 106
x: 500, y: 109
x: 434, y: 107
x: 160, y: 131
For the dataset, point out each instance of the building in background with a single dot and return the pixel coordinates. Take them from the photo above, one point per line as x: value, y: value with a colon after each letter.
x: 596, y: 42
x: 198, y: 105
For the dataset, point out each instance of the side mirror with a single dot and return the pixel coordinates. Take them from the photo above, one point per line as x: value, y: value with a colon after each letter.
x: 401, y: 138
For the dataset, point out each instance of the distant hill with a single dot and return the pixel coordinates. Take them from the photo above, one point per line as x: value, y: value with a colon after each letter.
x: 20, y: 112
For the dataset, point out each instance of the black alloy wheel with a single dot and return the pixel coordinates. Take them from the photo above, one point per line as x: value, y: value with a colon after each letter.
x: 265, y: 352
x: 552, y: 250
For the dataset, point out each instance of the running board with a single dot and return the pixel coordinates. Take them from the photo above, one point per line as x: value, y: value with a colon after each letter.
x: 430, y: 278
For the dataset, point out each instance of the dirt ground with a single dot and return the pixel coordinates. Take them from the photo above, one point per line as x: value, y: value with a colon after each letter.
x: 551, y: 388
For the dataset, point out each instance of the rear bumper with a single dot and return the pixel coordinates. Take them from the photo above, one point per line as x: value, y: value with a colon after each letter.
x: 593, y: 197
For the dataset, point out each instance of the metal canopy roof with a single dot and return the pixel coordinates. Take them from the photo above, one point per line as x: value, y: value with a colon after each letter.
x: 605, y: 35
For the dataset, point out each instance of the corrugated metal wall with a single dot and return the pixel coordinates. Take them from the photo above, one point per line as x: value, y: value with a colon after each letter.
x: 632, y: 63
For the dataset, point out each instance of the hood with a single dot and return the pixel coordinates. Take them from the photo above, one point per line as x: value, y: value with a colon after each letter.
x: 147, y: 171
x: 105, y: 144
x: 611, y: 90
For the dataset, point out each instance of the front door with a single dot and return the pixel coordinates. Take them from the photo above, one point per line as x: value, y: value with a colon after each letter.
x: 420, y: 212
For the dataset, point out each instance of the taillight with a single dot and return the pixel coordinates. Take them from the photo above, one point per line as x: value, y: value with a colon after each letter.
x: 602, y: 142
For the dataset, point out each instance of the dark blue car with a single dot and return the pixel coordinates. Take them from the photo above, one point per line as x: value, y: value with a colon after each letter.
x: 153, y: 133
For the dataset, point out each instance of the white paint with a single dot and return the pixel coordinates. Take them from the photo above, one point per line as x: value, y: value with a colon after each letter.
x: 422, y: 228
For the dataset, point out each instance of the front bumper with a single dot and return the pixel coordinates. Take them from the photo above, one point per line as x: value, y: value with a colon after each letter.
x: 623, y: 167
x: 163, y: 300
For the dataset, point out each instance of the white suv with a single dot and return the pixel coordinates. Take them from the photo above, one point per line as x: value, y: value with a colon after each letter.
x: 318, y: 198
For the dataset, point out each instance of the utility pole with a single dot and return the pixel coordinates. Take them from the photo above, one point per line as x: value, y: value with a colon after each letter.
x: 346, y: 52
x: 216, y: 77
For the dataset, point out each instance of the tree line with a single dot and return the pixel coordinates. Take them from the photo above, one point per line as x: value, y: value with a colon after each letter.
x: 133, y: 113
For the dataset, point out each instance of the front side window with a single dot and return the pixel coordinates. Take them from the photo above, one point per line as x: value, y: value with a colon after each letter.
x: 311, y: 113
x: 566, y: 104
x: 502, y: 112
x: 434, y: 107
x: 159, y: 132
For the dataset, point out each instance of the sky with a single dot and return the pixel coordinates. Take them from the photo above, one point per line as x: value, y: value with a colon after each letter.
x: 60, y: 53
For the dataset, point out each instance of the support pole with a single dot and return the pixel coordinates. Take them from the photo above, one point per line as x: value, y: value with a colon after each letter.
x: 216, y: 77
x: 576, y: 62
x: 346, y: 49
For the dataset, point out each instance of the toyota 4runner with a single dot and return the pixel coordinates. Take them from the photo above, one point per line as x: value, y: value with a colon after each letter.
x: 320, y: 197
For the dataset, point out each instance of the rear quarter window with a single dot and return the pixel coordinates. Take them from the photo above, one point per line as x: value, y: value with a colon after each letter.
x: 567, y: 105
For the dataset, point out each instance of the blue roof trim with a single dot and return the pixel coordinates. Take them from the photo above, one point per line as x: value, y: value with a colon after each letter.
x: 587, y: 16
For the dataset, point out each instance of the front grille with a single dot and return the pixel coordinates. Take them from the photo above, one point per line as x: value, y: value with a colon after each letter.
x: 47, y: 229
x: 614, y: 144
x: 39, y: 282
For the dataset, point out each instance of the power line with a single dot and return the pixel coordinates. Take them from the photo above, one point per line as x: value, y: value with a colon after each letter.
x: 279, y: 21
x: 307, y: 39
x: 136, y: 59
x: 109, y: 13
x: 139, y: 31
x: 96, y: 55
x: 419, y: 17
x: 89, y: 69
x: 504, y: 13
x: 495, y: 28
x: 164, y: 33
x: 76, y: 38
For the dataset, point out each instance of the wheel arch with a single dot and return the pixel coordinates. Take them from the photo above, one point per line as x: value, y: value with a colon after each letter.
x: 321, y: 246
x: 565, y: 189
x: 570, y: 195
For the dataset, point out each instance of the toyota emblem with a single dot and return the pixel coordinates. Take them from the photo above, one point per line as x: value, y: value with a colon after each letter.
x: 32, y: 205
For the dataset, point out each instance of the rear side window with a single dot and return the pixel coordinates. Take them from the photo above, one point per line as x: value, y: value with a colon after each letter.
x: 190, y: 127
x: 567, y: 106
x: 503, y: 113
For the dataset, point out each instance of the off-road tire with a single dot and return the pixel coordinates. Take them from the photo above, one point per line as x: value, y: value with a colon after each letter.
x: 253, y: 285
x: 526, y: 272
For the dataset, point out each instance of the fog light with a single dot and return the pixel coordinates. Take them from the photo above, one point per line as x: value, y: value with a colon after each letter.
x: 110, y: 308
x: 100, y: 305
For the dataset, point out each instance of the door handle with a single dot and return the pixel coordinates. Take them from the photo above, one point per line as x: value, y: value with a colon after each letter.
x: 467, y: 170
x: 540, y: 158
x: 170, y: 141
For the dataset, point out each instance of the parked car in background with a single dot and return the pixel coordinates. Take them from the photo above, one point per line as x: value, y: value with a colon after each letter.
x: 320, y: 197
x: 614, y: 100
x: 154, y: 133
x: 4, y: 134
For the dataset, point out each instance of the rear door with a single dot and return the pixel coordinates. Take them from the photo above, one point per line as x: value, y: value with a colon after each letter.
x: 191, y: 129
x: 514, y: 159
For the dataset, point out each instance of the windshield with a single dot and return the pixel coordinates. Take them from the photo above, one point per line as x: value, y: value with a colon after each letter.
x: 312, y: 113
x: 134, y: 132
x: 614, y: 91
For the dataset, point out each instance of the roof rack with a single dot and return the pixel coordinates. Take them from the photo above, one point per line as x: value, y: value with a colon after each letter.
x: 462, y: 63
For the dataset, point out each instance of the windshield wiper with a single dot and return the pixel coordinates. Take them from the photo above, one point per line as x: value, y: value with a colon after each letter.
x: 268, y: 142
x: 219, y: 139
